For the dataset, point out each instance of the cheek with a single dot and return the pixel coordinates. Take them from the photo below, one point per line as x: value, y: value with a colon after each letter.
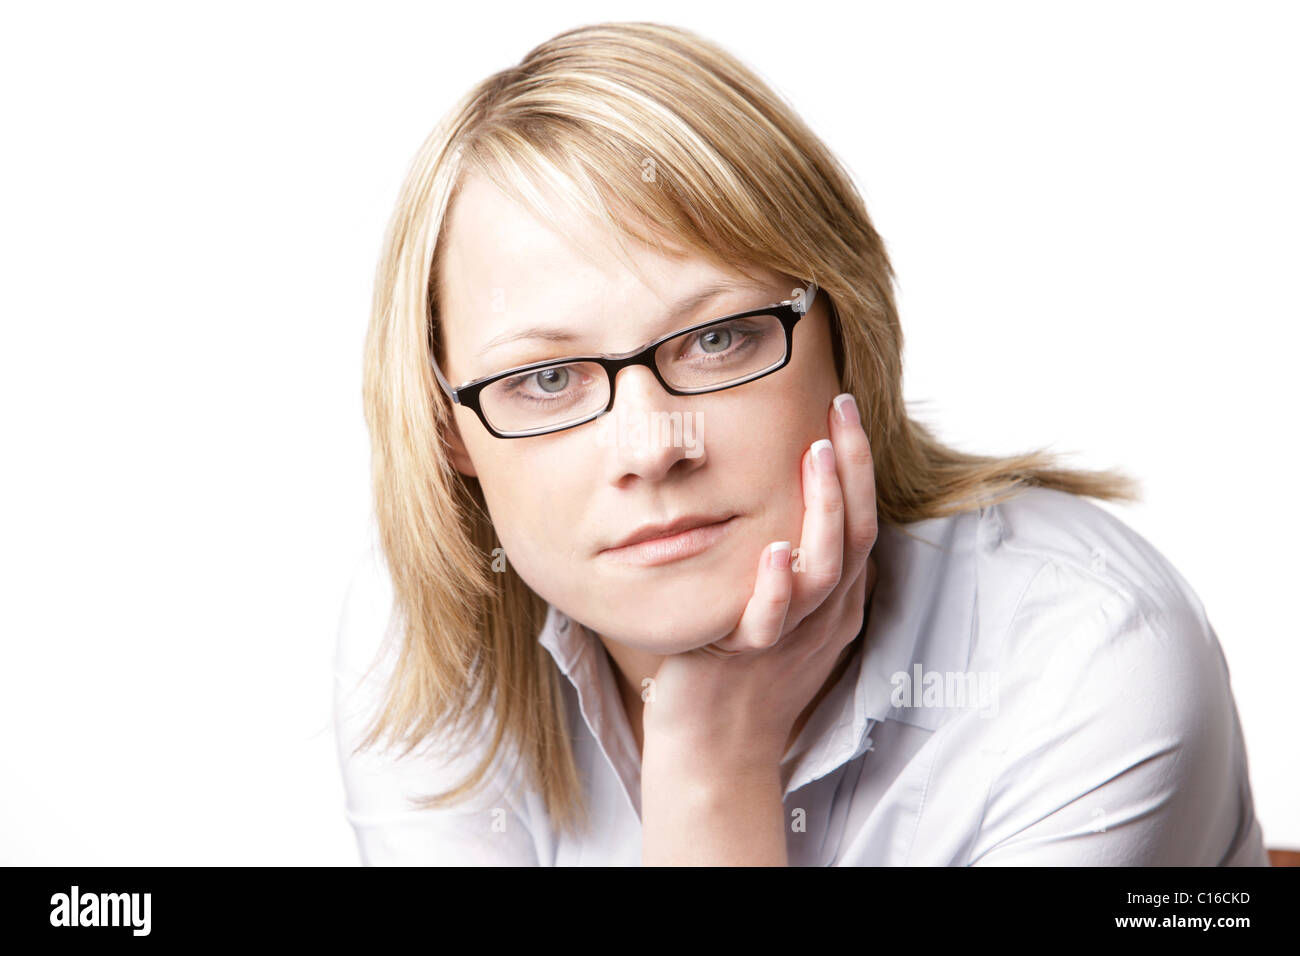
x: 535, y: 520
x: 767, y: 463
x: 771, y: 454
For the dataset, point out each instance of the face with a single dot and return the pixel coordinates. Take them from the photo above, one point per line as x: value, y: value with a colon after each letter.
x: 560, y: 501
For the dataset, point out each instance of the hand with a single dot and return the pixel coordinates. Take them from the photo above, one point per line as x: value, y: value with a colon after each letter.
x: 733, y: 703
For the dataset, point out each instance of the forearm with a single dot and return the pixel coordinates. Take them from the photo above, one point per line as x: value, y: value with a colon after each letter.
x: 698, y: 811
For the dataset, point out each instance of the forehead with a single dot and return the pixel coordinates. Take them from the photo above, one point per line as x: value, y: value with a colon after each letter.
x: 503, y: 268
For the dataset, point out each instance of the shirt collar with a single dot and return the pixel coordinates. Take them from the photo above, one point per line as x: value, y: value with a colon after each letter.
x: 922, y: 605
x: 583, y: 660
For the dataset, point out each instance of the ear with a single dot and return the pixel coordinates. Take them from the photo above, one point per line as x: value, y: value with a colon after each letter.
x: 456, y: 448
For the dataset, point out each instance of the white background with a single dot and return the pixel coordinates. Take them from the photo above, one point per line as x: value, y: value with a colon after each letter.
x: 1092, y: 209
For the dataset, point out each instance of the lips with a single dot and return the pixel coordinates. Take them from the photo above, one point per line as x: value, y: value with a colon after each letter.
x: 677, y: 526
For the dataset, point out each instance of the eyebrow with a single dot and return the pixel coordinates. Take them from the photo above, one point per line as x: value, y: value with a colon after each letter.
x: 688, y: 304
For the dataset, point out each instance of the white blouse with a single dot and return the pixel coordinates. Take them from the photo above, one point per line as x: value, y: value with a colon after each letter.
x: 1038, y: 685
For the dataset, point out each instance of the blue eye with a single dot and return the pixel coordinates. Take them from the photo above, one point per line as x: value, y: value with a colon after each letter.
x: 723, y: 334
x: 559, y: 377
x: 561, y: 381
x: 716, y: 343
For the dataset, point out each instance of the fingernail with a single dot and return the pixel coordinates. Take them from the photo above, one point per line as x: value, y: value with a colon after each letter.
x: 779, y: 555
x: 823, y: 455
x: 846, y: 408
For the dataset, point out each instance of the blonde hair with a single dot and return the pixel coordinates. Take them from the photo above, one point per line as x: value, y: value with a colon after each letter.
x: 630, y: 124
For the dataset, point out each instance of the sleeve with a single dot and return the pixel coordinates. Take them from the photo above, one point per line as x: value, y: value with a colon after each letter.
x: 1121, y: 741
x: 487, y: 829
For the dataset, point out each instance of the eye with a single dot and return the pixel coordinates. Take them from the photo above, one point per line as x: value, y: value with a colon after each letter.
x: 553, y: 379
x: 715, y: 340
x: 721, y: 341
x: 559, y: 383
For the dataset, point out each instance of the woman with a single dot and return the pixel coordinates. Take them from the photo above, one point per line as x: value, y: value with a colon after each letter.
x: 664, y: 571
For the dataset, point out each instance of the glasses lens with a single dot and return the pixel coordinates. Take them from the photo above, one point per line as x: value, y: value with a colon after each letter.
x: 722, y: 353
x: 548, y: 397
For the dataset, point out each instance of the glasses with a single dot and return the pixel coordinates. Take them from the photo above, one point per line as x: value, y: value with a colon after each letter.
x: 553, y: 395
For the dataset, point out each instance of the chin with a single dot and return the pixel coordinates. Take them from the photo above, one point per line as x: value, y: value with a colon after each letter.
x: 664, y: 624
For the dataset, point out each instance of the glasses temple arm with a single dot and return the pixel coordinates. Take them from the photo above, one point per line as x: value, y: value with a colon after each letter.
x: 809, y: 294
x: 446, y: 386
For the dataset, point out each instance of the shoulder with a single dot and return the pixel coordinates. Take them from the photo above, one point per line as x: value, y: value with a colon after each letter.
x: 368, y: 651
x: 1043, y: 528
x: 1044, y: 573
x: 1113, y: 694
x: 384, y: 781
x: 1061, y: 579
x: 1099, y: 637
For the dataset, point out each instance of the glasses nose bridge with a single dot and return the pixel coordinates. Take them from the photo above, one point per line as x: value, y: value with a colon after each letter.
x: 644, y: 358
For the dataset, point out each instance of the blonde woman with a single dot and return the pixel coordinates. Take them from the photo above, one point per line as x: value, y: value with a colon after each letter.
x: 663, y: 571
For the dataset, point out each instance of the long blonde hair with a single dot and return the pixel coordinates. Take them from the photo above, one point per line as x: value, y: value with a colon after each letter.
x: 630, y: 124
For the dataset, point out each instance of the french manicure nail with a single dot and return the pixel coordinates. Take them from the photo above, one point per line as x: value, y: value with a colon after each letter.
x: 824, y: 455
x: 779, y: 554
x: 847, y: 408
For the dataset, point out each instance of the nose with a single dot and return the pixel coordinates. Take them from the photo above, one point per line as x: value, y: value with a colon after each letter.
x: 649, y: 432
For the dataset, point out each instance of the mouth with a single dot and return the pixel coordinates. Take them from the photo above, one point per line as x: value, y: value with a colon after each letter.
x: 675, y: 542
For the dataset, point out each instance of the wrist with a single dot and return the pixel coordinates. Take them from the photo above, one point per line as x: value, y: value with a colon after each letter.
x: 696, y: 813
x: 703, y: 763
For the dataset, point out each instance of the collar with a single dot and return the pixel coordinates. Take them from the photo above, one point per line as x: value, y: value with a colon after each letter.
x: 921, y: 608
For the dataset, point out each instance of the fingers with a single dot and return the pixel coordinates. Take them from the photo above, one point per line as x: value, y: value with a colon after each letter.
x: 839, y: 532
x: 858, y: 478
x: 847, y: 604
x: 840, y: 519
x: 821, y: 543
x: 763, y: 621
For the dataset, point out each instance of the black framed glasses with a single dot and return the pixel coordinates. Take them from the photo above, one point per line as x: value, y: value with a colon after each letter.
x: 556, y: 394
